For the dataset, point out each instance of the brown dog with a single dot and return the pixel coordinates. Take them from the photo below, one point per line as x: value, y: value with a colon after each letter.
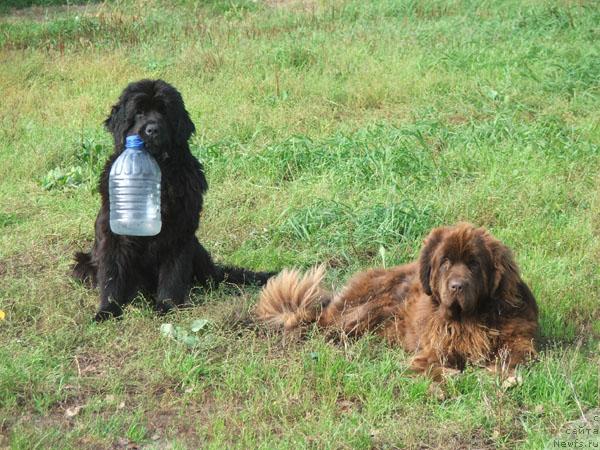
x: 462, y: 302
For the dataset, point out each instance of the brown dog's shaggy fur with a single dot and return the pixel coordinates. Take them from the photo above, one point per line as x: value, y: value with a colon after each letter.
x: 462, y: 302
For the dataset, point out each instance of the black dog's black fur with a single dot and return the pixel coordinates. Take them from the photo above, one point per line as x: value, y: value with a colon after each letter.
x: 169, y: 263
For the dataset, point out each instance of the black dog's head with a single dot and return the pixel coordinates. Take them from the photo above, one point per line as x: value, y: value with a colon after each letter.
x: 153, y: 109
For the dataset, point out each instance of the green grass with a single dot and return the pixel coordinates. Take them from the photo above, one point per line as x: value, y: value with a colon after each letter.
x: 331, y: 131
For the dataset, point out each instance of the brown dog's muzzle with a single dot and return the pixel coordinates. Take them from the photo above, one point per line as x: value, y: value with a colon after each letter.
x: 457, y: 294
x: 451, y: 311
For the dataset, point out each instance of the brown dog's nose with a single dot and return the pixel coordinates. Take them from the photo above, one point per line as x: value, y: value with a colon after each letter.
x: 456, y: 285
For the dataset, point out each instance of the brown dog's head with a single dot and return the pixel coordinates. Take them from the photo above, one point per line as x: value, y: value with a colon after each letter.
x: 464, y: 269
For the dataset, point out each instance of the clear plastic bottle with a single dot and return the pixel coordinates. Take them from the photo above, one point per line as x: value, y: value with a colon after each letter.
x: 134, y: 191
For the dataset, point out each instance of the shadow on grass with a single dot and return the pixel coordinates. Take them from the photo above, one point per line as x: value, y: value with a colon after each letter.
x: 582, y: 342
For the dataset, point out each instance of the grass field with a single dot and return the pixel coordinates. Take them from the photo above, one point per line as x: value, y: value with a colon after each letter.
x: 331, y: 131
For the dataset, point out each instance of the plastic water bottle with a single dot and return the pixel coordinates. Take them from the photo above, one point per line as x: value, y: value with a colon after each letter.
x: 134, y: 191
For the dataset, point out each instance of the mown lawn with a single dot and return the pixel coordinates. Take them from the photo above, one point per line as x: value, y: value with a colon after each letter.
x: 331, y: 131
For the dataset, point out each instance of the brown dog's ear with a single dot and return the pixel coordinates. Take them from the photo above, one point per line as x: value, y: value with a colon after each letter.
x: 505, y: 278
x: 507, y: 288
x: 429, y: 245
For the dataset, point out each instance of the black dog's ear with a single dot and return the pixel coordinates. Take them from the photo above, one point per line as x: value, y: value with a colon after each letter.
x: 185, y: 127
x: 429, y: 246
x: 115, y: 122
x: 179, y: 117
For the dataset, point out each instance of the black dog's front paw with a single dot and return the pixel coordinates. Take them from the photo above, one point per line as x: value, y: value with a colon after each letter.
x: 101, y: 316
x: 113, y: 311
x: 164, y: 306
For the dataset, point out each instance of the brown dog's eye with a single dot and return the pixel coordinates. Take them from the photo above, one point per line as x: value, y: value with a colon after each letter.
x: 444, y: 264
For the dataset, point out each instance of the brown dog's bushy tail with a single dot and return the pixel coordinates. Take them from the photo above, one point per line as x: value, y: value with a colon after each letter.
x: 84, y: 269
x: 291, y: 299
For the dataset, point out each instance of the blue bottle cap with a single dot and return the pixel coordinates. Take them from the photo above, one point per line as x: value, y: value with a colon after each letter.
x: 134, y: 141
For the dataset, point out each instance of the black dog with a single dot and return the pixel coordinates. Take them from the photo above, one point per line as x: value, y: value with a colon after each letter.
x: 169, y: 263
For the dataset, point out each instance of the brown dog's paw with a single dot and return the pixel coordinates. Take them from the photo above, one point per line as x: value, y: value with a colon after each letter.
x: 448, y: 372
x: 436, y: 390
x: 512, y: 381
x: 508, y: 377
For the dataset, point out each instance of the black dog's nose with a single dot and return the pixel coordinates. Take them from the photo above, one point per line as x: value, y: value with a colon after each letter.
x: 456, y: 285
x: 151, y: 129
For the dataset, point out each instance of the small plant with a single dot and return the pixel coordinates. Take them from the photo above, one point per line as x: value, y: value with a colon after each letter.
x: 63, y: 178
x: 86, y: 166
x: 187, y: 337
x: 7, y: 219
